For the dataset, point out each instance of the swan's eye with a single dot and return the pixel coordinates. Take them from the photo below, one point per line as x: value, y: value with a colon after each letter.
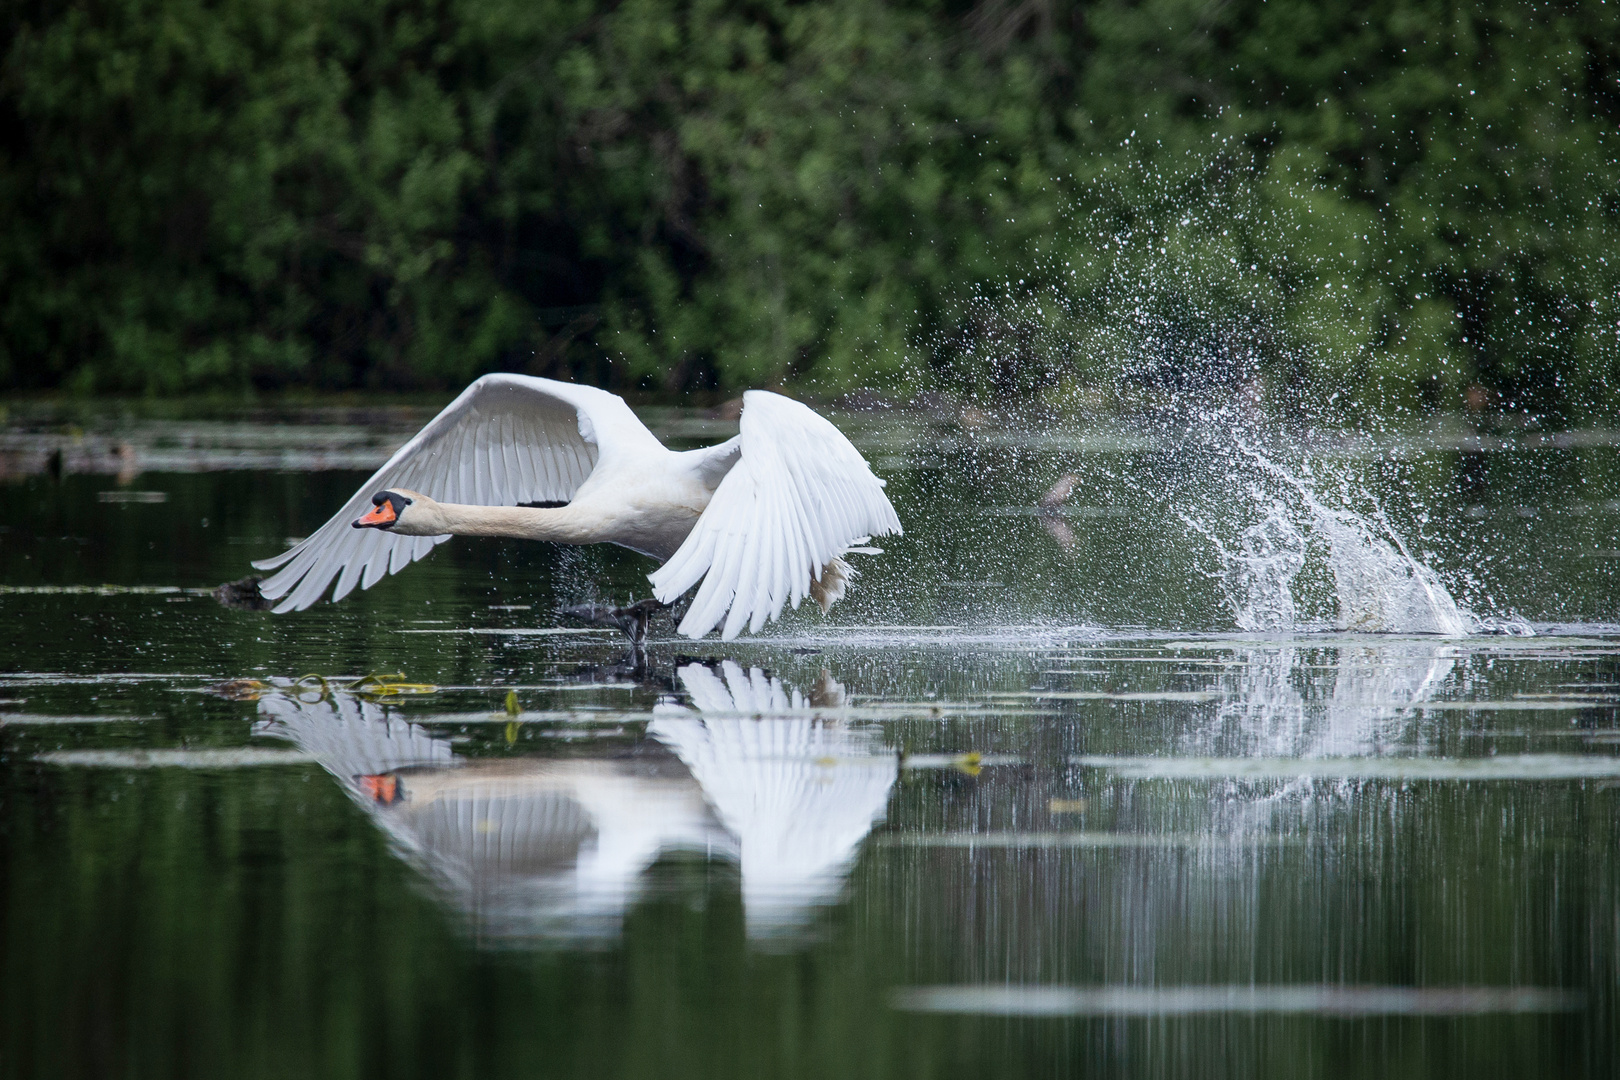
x: 393, y: 498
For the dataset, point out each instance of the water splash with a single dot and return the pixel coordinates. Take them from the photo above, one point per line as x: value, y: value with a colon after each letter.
x: 1147, y: 315
x: 1378, y: 585
x: 1258, y: 570
x: 1381, y: 588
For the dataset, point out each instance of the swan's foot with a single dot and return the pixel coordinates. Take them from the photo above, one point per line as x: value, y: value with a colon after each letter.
x: 632, y: 618
x: 243, y: 595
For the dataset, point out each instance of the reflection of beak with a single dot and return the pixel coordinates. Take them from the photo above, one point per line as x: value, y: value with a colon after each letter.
x: 377, y: 517
x: 382, y: 788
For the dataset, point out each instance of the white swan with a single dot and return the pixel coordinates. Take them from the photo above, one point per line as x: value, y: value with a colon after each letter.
x: 762, y: 519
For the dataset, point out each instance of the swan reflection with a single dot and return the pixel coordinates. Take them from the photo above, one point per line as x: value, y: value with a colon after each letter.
x: 754, y: 773
x: 798, y: 792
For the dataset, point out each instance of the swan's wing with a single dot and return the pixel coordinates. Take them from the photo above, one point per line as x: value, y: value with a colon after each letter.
x: 507, y: 439
x: 798, y: 496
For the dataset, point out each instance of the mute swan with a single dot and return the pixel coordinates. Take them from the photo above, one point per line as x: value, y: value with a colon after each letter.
x: 763, y: 519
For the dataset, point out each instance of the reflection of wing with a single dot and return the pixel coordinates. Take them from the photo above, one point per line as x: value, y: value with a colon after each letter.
x: 798, y: 497
x: 799, y: 793
x: 547, y: 846
x: 350, y: 736
x: 507, y: 439
x: 752, y: 693
x: 491, y: 824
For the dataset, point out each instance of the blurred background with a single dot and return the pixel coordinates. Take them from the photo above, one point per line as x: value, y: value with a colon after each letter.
x: 1379, y: 210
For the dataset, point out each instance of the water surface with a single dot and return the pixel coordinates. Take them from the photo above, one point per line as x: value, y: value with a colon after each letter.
x: 1030, y: 803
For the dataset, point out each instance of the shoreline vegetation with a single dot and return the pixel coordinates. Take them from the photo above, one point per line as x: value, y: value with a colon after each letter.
x: 67, y: 414
x: 127, y: 438
x: 1404, y: 209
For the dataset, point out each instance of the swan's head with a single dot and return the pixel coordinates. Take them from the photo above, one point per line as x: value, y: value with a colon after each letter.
x: 388, y: 509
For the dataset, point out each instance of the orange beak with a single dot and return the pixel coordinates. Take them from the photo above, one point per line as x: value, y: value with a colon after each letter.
x: 379, y: 515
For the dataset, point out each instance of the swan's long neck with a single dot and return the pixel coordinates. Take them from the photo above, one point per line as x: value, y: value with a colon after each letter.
x: 562, y: 525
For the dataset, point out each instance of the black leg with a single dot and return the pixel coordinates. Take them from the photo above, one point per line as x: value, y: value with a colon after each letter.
x: 632, y: 618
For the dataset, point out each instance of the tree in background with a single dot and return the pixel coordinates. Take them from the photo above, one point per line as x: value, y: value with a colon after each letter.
x: 1405, y: 201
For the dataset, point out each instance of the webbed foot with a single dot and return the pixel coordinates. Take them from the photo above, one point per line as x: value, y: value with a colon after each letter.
x: 632, y: 618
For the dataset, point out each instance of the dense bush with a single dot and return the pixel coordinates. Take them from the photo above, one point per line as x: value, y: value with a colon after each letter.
x: 1411, y: 199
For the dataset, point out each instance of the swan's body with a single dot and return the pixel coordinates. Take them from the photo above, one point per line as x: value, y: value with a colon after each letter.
x: 762, y: 520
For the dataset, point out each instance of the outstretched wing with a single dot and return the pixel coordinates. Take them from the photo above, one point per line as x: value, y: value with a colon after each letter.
x: 797, y: 498
x: 507, y: 439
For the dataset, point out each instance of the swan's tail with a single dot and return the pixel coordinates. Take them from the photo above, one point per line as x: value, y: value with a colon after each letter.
x: 829, y: 588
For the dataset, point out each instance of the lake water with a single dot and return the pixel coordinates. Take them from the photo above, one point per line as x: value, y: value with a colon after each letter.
x: 1119, y: 789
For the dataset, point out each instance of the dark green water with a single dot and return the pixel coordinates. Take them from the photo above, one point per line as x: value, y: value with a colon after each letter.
x: 1027, y: 805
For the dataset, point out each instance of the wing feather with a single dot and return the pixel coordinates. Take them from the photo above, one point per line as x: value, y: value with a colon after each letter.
x: 471, y: 468
x: 484, y: 463
x: 400, y: 556
x: 798, y: 497
x: 514, y: 458
x: 377, y: 567
x: 714, y: 596
x: 777, y: 540
x: 506, y: 439
x: 510, y: 470
x: 747, y: 579
x: 534, y: 462
x: 460, y: 470
x: 350, y: 576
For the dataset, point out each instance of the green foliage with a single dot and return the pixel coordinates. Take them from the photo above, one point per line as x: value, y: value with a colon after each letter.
x: 1458, y: 162
x: 1403, y: 200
